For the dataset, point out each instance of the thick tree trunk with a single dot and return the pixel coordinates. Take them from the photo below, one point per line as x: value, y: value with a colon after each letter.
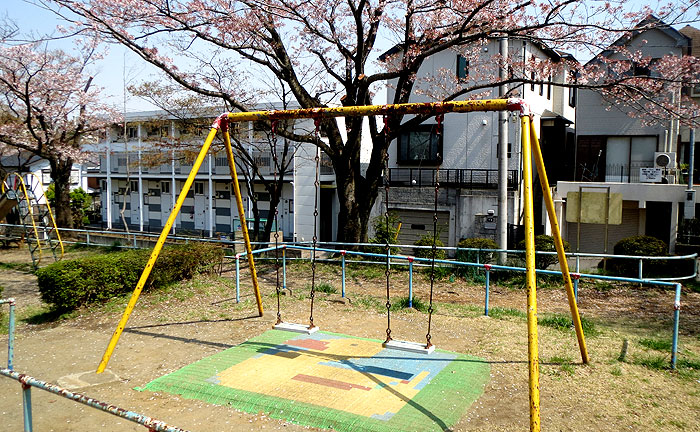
x: 356, y: 198
x: 60, y: 174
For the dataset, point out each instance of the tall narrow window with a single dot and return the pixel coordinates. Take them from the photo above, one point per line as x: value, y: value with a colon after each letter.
x: 532, y: 81
x: 549, y: 88
x: 462, y: 67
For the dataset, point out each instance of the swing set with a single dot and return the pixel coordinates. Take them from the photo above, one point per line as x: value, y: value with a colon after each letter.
x: 530, y: 150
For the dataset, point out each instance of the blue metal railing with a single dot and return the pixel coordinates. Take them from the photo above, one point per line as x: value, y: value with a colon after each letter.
x: 576, y: 276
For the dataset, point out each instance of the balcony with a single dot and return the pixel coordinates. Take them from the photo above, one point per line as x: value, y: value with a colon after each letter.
x: 458, y: 178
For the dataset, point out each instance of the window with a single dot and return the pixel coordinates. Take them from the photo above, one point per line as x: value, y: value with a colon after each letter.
x: 532, y: 81
x: 625, y: 155
x: 165, y: 187
x: 132, y: 132
x: 498, y: 149
x: 199, y: 188
x: 422, y: 145
x: 462, y: 67
x: 291, y: 206
x: 572, y: 97
x: 164, y: 131
x: 134, y: 186
x: 549, y: 88
x: 262, y: 196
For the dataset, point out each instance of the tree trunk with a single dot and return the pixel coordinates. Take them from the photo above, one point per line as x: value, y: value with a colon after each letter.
x: 60, y: 174
x: 356, y: 200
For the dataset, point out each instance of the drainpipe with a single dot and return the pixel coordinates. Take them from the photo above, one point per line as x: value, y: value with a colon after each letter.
x: 108, y: 196
x: 503, y: 157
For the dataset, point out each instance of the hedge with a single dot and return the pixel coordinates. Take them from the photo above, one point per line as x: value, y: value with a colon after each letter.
x: 70, y: 284
x: 644, y: 245
x: 545, y: 243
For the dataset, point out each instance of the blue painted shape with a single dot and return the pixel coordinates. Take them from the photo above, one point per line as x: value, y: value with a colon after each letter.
x: 386, y: 416
x: 399, y: 364
x: 352, y: 364
x: 213, y: 380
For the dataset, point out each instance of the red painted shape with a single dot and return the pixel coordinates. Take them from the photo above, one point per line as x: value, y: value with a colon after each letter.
x: 309, y: 344
x: 329, y: 382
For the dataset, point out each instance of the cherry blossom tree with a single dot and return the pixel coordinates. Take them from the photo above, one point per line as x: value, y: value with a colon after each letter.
x: 325, y: 50
x: 50, y: 109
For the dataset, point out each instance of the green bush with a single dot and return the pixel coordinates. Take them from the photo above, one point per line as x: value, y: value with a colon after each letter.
x: 545, y: 243
x: 382, y: 232
x: 70, y: 284
x: 427, y: 240
x: 641, y: 246
x: 483, y: 257
x: 80, y: 202
x: 638, y: 246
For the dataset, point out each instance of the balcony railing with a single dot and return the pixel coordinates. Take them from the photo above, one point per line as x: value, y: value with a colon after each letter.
x: 462, y: 178
x: 631, y: 174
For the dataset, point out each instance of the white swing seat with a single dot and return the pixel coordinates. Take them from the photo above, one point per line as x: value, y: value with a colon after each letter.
x: 296, y: 328
x: 413, y: 347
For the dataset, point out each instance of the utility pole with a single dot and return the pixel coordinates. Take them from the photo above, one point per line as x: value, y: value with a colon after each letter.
x: 502, y: 219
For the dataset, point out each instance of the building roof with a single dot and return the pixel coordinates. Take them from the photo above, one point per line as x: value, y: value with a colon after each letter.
x: 554, y: 54
x: 649, y: 23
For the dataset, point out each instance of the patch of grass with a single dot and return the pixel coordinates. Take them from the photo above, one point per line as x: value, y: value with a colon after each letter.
x: 460, y: 310
x: 365, y: 271
x: 656, y: 362
x: 616, y: 371
x: 560, y: 360
x: 368, y: 302
x: 23, y: 267
x: 418, y: 304
x: 44, y: 314
x: 656, y: 344
x: 325, y: 288
x: 502, y: 313
x: 563, y: 322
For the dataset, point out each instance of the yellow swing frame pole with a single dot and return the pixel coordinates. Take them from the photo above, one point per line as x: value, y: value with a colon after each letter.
x: 241, y: 213
x: 564, y: 265
x: 157, y: 248
x: 531, y: 279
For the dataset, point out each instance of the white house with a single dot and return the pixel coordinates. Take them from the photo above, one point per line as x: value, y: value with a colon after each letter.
x: 622, y: 155
x: 466, y: 150
x: 148, y: 169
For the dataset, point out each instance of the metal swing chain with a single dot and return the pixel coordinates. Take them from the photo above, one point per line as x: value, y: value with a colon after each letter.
x: 317, y: 184
x: 387, y: 271
x: 273, y: 127
x: 439, y: 119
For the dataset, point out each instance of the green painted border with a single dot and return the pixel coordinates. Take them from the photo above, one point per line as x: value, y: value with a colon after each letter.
x: 438, y: 406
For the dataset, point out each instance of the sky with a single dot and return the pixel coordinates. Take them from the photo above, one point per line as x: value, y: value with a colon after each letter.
x: 120, y: 64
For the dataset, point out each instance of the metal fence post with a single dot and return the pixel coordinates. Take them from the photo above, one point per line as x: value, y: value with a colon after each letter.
x: 641, y: 268
x: 238, y: 278
x: 487, y: 267
x: 87, y: 236
x: 284, y: 267
x: 576, y: 278
x: 676, y: 317
x: 410, y: 282
x: 11, y: 335
x: 342, y: 263
x: 27, y: 406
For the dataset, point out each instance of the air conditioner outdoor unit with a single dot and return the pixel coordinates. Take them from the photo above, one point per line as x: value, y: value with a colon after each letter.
x: 665, y: 160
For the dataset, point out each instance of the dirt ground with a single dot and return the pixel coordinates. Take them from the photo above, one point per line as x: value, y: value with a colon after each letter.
x: 196, y: 319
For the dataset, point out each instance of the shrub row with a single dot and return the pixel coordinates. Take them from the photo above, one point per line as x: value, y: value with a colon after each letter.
x: 70, y: 284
